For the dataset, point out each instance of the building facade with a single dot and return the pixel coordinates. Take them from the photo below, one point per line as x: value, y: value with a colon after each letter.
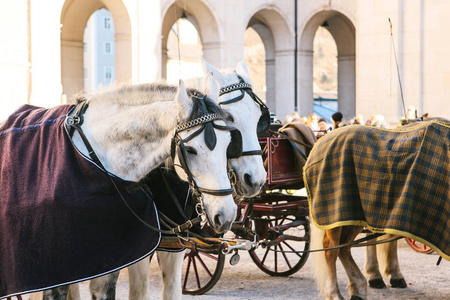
x: 98, y: 51
x: 42, y: 48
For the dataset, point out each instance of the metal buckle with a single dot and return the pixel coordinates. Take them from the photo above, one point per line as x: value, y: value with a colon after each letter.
x: 72, y: 120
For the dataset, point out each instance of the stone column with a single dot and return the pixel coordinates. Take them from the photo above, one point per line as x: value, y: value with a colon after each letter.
x: 305, y: 85
x: 284, y: 69
x: 270, y: 84
x: 72, y: 76
x: 346, y: 85
x: 123, y: 57
x: 147, y: 42
x: 213, y: 53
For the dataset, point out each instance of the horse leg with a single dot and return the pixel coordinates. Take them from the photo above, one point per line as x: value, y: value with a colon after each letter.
x: 390, y: 264
x: 74, y: 292
x: 58, y: 293
x: 139, y: 278
x: 104, y: 287
x: 324, y: 262
x: 371, y: 268
x: 357, y: 286
x: 331, y: 239
x: 171, y: 264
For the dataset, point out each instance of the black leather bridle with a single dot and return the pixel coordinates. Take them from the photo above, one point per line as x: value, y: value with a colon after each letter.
x: 207, y: 120
x: 264, y: 120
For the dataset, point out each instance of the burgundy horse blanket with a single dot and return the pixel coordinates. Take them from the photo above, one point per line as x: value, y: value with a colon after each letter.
x: 392, y: 181
x: 61, y: 219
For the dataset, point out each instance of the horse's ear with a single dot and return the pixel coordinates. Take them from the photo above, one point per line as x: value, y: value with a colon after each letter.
x: 184, y: 103
x: 212, y: 87
x: 242, y: 70
x: 216, y: 73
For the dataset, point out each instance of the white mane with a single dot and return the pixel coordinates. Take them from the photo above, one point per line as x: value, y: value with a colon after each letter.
x: 133, y: 95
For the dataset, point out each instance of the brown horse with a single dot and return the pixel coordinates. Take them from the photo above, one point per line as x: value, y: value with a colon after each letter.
x: 389, y: 181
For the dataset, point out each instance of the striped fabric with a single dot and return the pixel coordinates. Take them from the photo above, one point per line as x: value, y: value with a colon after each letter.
x: 393, y: 181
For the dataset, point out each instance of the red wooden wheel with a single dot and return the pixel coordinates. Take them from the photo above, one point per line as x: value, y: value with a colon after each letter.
x: 418, y: 246
x: 283, y: 254
x: 201, y: 271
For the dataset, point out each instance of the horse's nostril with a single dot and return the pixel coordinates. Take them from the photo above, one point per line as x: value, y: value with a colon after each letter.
x: 217, y: 220
x: 248, y: 179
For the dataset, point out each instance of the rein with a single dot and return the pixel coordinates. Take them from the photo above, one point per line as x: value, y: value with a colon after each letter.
x: 362, y: 242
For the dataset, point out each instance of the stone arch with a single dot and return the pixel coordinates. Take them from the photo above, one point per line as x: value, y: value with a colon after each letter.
x: 343, y: 32
x: 74, y: 16
x: 204, y: 20
x: 278, y: 38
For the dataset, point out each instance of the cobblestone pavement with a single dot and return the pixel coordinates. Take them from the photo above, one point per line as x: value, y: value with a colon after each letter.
x: 245, y: 281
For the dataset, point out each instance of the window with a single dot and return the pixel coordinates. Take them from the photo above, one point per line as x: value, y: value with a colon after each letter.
x: 85, y: 71
x: 85, y: 47
x: 107, y: 23
x: 108, y: 73
x: 108, y: 47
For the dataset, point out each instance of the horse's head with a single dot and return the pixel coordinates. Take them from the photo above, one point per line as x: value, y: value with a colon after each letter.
x: 249, y: 115
x: 201, y: 149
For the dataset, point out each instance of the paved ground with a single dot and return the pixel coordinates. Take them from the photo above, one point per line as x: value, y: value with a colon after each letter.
x: 245, y: 281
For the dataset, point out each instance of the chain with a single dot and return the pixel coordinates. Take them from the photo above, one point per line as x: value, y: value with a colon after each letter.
x: 198, y: 121
x: 233, y: 87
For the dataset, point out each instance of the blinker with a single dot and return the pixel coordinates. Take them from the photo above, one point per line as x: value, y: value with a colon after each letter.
x: 264, y: 120
x: 234, y: 149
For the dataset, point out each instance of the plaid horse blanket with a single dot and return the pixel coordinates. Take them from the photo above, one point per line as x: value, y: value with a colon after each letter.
x: 392, y: 181
x: 61, y: 219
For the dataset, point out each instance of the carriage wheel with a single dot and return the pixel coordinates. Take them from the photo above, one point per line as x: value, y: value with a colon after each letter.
x: 283, y: 258
x: 418, y: 246
x: 201, y: 271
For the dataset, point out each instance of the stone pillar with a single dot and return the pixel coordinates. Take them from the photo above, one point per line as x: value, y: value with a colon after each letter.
x: 45, y: 54
x: 270, y: 84
x: 72, y: 67
x: 14, y: 53
x: 284, y: 72
x: 123, y: 57
x: 164, y: 62
x: 147, y: 42
x: 213, y: 53
x: 305, y: 85
x: 346, y: 85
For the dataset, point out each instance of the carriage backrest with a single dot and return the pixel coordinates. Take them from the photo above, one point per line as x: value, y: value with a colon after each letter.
x: 284, y: 159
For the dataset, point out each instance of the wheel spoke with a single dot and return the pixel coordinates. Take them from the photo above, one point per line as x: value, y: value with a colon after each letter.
x: 197, y: 277
x: 285, y: 257
x: 210, y: 256
x: 292, y: 249
x: 204, y: 265
x: 276, y: 259
x: 265, y: 255
x: 187, y: 272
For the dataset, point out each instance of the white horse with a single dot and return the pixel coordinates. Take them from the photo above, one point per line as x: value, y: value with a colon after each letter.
x: 131, y: 129
x: 246, y: 115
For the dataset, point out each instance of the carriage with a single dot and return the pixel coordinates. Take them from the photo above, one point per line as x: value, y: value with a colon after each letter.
x: 278, y: 219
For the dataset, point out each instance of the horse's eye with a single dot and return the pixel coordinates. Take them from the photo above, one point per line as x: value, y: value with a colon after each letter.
x: 191, y: 150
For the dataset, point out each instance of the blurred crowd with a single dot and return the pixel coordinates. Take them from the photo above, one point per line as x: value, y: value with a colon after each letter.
x: 320, y: 125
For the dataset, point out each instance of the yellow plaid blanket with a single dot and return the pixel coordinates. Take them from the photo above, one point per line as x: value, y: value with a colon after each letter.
x: 393, y: 181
